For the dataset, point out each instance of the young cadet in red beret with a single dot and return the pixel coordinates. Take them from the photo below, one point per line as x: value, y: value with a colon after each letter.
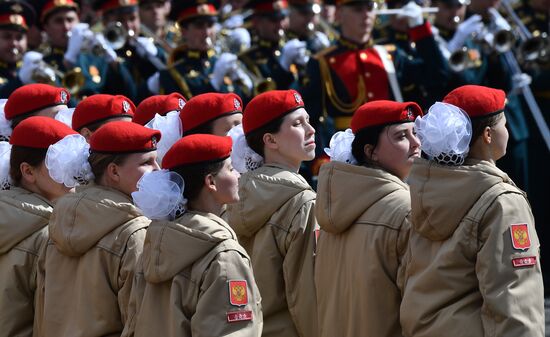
x: 97, y: 110
x: 96, y: 237
x: 274, y: 218
x: 26, y: 208
x: 35, y: 100
x: 474, y: 267
x: 194, y: 279
x: 361, y: 244
x: 157, y: 104
x: 212, y: 113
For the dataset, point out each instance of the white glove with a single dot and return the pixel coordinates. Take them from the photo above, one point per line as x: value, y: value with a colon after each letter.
x: 520, y: 81
x: 239, y: 75
x: 238, y: 40
x: 145, y: 47
x: 413, y: 13
x: 473, y: 25
x: 31, y: 61
x: 225, y: 65
x: 78, y: 35
x: 321, y: 41
x: 110, y: 54
x: 153, y: 83
x: 294, y: 52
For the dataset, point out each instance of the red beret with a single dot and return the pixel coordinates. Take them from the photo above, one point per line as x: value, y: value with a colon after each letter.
x: 204, y: 108
x: 124, y: 137
x: 34, y: 97
x: 477, y: 100
x: 378, y: 113
x: 158, y: 104
x: 39, y: 132
x: 268, y: 106
x: 196, y: 149
x: 101, y: 107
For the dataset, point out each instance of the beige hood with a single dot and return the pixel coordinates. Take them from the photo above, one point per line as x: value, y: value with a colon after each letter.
x: 22, y: 214
x: 345, y: 192
x: 81, y: 219
x: 442, y: 195
x: 170, y: 247
x: 262, y: 192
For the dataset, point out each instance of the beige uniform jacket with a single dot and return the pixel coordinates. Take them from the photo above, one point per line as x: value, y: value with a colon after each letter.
x: 274, y: 222
x: 194, y: 279
x: 363, y: 213
x: 24, y: 218
x: 473, y: 264
x: 96, y: 236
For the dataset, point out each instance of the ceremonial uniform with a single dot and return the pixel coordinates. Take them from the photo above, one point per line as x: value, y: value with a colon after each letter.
x: 23, y: 227
x: 361, y: 246
x: 16, y: 17
x: 473, y: 264
x: 96, y: 237
x: 194, y: 279
x: 274, y: 222
x: 346, y: 75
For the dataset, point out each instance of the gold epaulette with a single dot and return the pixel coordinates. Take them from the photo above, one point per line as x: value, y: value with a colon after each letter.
x: 324, y: 52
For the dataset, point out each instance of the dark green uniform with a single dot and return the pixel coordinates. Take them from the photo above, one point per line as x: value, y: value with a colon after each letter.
x: 8, y: 74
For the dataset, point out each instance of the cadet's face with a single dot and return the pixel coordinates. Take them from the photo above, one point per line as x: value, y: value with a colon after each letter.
x: 47, y: 187
x: 58, y: 25
x: 198, y: 35
x: 397, y: 147
x: 448, y: 16
x: 13, y: 44
x: 356, y: 21
x: 153, y: 14
x: 499, y: 138
x: 222, y: 125
x: 227, y: 184
x: 133, y: 168
x: 295, y: 141
x: 270, y: 28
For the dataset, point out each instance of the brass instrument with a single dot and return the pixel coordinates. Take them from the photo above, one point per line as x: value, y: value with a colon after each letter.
x: 463, y: 59
x: 72, y: 80
x: 497, y: 35
x: 534, y: 49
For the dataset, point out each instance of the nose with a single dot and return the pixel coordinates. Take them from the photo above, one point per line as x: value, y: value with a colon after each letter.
x: 415, y: 141
x: 310, y: 130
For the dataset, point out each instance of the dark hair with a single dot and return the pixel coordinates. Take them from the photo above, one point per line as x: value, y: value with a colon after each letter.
x: 369, y: 135
x: 18, y: 119
x: 22, y: 154
x: 206, y: 128
x: 194, y: 175
x: 480, y: 123
x: 100, y: 161
x: 255, y: 139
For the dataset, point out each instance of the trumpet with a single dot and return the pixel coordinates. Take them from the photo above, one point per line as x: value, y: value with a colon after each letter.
x: 497, y: 35
x: 463, y: 59
x: 72, y: 80
x: 536, y: 48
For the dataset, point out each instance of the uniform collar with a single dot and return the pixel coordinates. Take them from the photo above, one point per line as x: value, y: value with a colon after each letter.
x: 269, y: 44
x: 348, y: 44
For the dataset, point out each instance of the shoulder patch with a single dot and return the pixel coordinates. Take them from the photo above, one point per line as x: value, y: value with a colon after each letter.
x: 520, y: 236
x: 238, y: 294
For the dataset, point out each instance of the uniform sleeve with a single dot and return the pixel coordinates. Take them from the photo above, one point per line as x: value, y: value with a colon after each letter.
x: 510, y: 279
x: 128, y: 267
x: 298, y: 271
x: 402, y: 251
x: 229, y: 301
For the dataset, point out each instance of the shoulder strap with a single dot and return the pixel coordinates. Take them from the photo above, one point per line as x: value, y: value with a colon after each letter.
x: 390, y: 70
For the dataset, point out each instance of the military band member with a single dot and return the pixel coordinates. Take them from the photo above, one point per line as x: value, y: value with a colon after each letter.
x: 268, y: 59
x: 15, y: 19
x: 354, y: 71
x: 154, y: 16
x: 193, y: 67
x: 303, y: 19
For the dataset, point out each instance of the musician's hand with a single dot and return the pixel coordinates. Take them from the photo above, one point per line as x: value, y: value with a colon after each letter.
x: 31, y: 61
x: 77, y: 36
x: 225, y: 66
x: 110, y: 54
x: 294, y: 52
x: 520, y: 81
x: 413, y: 13
x: 145, y: 47
x: 238, y: 40
x: 473, y: 25
x: 153, y: 83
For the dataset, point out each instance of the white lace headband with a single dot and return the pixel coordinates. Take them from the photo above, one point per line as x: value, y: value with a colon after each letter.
x: 171, y: 129
x: 5, y: 125
x: 67, y: 161
x: 445, y: 133
x: 5, y: 179
x: 340, y: 147
x: 243, y: 158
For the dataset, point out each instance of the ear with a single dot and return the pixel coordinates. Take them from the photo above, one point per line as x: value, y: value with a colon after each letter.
x: 270, y: 141
x: 486, y: 135
x: 112, y: 172
x: 86, y: 133
x: 28, y: 173
x: 370, y: 152
x: 210, y: 183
